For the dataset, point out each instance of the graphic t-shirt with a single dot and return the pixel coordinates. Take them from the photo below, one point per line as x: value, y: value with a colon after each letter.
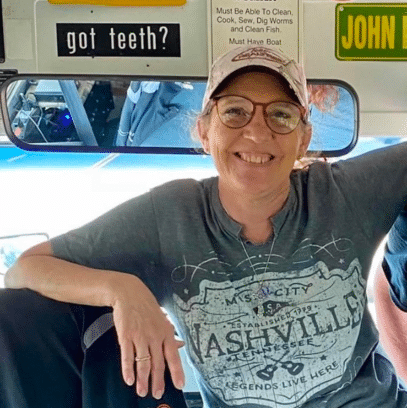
x: 282, y: 324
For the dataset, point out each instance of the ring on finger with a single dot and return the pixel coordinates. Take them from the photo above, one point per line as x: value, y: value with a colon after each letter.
x: 138, y: 359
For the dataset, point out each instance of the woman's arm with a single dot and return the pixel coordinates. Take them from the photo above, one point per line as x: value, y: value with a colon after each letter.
x: 390, y: 295
x: 37, y: 269
x: 142, y: 327
x: 374, y: 185
x: 392, y: 324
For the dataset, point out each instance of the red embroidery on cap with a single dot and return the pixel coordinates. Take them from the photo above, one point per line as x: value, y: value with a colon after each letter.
x: 258, y: 52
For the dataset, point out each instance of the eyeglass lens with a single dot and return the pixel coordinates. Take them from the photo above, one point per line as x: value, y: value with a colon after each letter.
x: 237, y: 111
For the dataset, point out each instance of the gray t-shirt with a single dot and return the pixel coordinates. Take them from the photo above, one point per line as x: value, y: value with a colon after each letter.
x: 283, y: 324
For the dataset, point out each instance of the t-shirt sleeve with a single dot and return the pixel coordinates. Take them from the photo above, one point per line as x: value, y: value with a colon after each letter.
x: 395, y: 261
x: 124, y: 239
x: 374, y: 186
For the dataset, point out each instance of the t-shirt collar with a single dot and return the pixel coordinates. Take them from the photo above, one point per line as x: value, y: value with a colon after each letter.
x: 233, y: 227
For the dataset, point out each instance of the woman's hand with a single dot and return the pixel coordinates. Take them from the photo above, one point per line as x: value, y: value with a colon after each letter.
x: 144, y: 331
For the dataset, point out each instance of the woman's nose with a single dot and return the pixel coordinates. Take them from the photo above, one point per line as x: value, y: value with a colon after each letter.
x: 257, y: 129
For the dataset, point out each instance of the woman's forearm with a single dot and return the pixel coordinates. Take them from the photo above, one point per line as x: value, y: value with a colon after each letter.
x: 64, y: 281
x: 392, y: 324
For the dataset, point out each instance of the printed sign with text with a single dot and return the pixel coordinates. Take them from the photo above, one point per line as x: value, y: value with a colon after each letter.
x: 118, y: 40
x: 376, y: 32
x: 265, y: 23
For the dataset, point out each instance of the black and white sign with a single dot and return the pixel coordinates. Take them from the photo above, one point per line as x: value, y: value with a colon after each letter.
x: 118, y: 40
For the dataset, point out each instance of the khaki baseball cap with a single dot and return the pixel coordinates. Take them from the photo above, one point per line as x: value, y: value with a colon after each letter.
x: 250, y: 56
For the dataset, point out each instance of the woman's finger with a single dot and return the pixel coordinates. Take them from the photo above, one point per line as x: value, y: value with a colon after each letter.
x: 180, y: 343
x: 157, y: 370
x: 127, y: 361
x: 143, y: 362
x: 171, y: 354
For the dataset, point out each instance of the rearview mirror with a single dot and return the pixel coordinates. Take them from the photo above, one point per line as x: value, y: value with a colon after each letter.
x: 103, y: 114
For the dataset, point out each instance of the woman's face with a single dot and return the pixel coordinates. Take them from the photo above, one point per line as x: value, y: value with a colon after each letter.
x: 253, y: 159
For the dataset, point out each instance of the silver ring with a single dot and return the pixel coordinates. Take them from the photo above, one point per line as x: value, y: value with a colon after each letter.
x: 138, y: 359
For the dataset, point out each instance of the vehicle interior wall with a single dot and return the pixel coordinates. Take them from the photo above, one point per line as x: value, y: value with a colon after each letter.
x: 382, y: 102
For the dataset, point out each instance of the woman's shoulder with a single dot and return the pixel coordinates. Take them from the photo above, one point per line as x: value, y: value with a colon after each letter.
x: 184, y: 185
x: 379, y: 175
x: 186, y: 190
x: 394, y: 156
x: 183, y: 199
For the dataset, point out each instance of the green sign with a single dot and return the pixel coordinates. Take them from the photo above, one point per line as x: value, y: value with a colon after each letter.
x: 371, y: 31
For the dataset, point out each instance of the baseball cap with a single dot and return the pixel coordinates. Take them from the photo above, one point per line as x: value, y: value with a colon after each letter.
x: 250, y: 56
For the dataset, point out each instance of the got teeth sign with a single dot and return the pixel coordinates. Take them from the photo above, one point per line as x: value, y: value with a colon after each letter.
x: 118, y: 40
x: 263, y: 22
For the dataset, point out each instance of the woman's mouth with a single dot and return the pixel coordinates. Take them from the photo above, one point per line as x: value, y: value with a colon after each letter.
x: 256, y: 158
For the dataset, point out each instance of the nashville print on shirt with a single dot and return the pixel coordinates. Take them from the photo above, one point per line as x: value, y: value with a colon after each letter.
x: 274, y: 339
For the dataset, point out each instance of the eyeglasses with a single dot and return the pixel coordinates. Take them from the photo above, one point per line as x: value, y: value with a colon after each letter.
x: 237, y: 111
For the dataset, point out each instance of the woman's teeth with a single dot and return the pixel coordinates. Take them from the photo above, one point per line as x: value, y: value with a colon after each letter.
x: 255, y: 158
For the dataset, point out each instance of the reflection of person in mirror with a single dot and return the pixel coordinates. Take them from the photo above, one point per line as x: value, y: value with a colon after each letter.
x: 262, y: 270
x: 147, y: 107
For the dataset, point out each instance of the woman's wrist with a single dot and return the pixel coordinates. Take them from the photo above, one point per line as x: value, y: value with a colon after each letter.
x: 120, y: 285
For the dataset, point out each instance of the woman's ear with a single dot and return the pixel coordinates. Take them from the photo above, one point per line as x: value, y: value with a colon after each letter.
x: 202, y: 131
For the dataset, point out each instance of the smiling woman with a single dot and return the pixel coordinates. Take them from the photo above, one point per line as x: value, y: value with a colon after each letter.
x: 253, y: 151
x: 262, y: 269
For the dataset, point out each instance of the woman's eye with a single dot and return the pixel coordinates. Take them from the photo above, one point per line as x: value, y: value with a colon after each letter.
x: 235, y: 111
x: 281, y: 115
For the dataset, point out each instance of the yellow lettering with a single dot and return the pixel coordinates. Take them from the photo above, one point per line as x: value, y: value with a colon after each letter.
x: 347, y: 42
x: 360, y: 32
x: 374, y: 31
x: 404, y: 32
x: 388, y: 32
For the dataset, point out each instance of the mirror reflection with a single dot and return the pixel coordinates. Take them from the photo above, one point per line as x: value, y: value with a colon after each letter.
x: 127, y: 115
